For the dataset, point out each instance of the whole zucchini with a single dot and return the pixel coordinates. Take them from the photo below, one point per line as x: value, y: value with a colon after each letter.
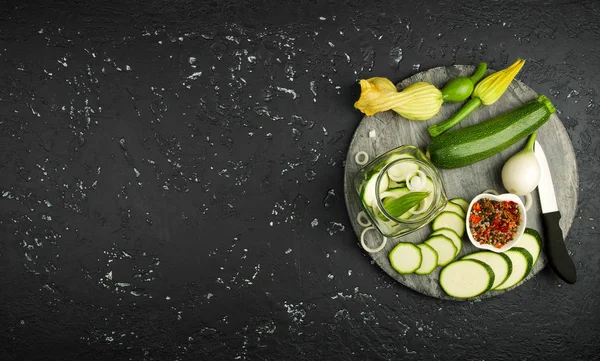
x: 471, y: 144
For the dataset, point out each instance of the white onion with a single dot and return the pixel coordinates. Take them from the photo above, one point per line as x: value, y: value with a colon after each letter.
x: 364, y: 155
x: 362, y: 219
x: 367, y: 248
x: 521, y: 173
x: 415, y: 181
x: 423, y: 206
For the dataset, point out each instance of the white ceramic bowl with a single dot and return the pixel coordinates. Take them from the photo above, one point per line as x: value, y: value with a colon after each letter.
x: 520, y: 229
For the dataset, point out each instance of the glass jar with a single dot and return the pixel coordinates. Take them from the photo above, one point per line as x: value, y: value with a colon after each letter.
x: 383, y: 182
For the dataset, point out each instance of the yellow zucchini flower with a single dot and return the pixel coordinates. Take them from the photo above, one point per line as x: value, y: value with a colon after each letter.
x: 491, y: 88
x: 419, y: 101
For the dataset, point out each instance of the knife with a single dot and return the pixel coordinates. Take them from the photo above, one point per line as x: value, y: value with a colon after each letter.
x: 558, y: 256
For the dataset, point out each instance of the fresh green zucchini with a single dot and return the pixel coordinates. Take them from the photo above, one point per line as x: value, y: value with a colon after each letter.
x: 453, y: 236
x: 450, y: 220
x: 466, y: 278
x: 400, y: 170
x: 405, y: 258
x: 521, y: 265
x: 453, y: 207
x: 461, y: 202
x: 532, y: 242
x: 471, y: 144
x: 498, y: 262
x: 429, y: 259
x: 444, y: 247
x: 368, y: 195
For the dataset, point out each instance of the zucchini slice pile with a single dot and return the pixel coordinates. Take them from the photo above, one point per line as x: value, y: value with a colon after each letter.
x: 473, y: 274
x: 442, y: 247
x: 505, y: 270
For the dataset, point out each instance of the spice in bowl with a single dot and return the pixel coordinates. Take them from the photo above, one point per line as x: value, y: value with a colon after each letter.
x: 494, y: 222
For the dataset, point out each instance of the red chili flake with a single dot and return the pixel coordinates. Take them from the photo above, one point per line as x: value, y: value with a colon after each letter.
x: 495, y: 223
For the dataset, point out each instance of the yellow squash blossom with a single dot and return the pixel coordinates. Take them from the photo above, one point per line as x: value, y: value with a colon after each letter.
x: 486, y: 92
x: 491, y: 88
x: 419, y: 101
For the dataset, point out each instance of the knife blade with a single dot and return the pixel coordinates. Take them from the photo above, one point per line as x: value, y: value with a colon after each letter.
x: 559, y: 258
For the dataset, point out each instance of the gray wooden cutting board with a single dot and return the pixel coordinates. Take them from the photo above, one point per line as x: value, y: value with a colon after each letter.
x: 392, y: 131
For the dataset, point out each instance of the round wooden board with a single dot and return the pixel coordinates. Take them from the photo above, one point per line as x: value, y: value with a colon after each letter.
x: 392, y: 131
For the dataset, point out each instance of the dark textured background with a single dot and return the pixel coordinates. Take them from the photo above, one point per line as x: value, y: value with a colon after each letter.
x: 171, y: 180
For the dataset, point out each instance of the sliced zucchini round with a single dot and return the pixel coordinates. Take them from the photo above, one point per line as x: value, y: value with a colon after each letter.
x: 455, y: 238
x: 444, y: 247
x: 461, y: 202
x: 430, y: 259
x: 466, y: 278
x: 453, y: 207
x: 521, y: 265
x: 532, y: 242
x: 399, y: 171
x: 499, y: 262
x: 450, y: 220
x: 368, y: 194
x: 405, y: 258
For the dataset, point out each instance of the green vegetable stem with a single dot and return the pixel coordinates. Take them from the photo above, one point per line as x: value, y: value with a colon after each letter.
x: 486, y: 92
x: 458, y: 117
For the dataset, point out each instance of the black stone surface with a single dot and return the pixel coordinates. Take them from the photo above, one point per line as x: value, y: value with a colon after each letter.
x: 171, y: 180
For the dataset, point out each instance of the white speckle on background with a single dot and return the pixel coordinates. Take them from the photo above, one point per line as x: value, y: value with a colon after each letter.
x: 269, y: 327
x: 313, y: 87
x: 372, y: 134
x: 137, y: 173
x: 314, y: 223
x: 256, y: 270
x: 288, y: 251
x: 330, y: 276
x: 232, y: 38
x: 288, y: 91
x: 195, y: 75
x: 335, y: 227
x: 296, y: 312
